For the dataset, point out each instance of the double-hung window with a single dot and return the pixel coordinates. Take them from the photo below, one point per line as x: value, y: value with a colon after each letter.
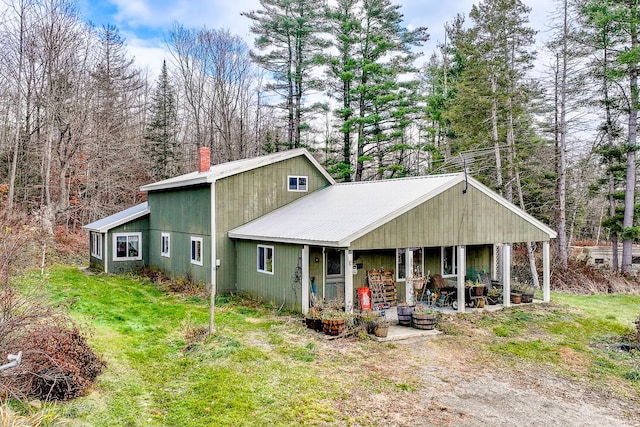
x: 265, y: 259
x: 96, y: 245
x: 165, y: 245
x: 127, y: 246
x: 196, y: 250
x: 297, y: 183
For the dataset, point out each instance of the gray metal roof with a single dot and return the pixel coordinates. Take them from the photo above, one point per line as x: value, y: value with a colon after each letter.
x: 339, y: 214
x: 105, y: 224
x: 224, y: 170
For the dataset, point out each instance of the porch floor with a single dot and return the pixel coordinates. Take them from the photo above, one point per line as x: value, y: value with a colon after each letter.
x: 397, y: 332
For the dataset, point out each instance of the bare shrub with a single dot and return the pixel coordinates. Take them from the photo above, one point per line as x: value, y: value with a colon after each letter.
x: 581, y: 278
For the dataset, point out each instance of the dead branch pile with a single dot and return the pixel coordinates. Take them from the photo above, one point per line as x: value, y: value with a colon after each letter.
x: 57, y: 362
x: 580, y: 278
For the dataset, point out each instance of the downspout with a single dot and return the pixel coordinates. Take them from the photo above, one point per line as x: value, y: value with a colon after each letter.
x: 324, y: 274
x: 214, y: 261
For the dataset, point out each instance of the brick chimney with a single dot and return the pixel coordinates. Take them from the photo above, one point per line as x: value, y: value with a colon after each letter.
x: 204, y: 159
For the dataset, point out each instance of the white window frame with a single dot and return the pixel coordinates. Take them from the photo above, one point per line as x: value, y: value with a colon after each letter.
x: 298, y: 187
x: 340, y: 263
x: 264, y: 258
x: 165, y: 251
x: 454, y: 261
x: 192, y: 254
x: 398, y: 277
x: 96, y: 245
x: 138, y: 235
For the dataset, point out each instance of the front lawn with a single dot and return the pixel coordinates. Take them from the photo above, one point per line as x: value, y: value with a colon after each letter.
x: 265, y: 368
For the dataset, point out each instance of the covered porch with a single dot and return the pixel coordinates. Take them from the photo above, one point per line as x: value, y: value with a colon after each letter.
x: 334, y: 274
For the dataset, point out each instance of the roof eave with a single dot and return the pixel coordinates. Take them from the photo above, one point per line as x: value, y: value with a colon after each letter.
x: 115, y: 224
x: 291, y: 241
x: 206, y: 178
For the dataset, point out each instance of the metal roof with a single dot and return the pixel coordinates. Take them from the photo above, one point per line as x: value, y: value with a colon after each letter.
x: 105, y: 224
x: 339, y: 214
x: 224, y: 170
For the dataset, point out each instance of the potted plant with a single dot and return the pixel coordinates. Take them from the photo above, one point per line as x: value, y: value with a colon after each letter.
x: 527, y: 293
x: 381, y: 327
x: 313, y: 319
x: 494, y: 295
x: 369, y: 319
x: 334, y: 322
x: 424, y: 318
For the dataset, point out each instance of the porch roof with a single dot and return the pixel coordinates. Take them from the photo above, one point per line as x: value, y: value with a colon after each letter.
x: 339, y: 214
x: 105, y: 224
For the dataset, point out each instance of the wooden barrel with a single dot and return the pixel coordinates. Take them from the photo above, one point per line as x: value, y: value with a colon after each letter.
x: 381, y: 331
x: 424, y: 321
x: 405, y: 312
x: 333, y: 326
x: 516, y: 298
x: 527, y: 298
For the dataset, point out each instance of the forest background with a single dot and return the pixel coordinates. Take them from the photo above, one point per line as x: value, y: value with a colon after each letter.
x: 83, y: 126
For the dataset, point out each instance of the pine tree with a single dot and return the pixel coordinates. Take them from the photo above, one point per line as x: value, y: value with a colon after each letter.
x: 288, y: 39
x: 162, y: 146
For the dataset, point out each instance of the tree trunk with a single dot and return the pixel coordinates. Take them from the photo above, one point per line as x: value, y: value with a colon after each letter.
x: 629, y: 192
x: 495, y: 136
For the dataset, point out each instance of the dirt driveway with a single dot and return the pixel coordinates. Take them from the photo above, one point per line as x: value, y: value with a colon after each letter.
x: 457, y: 391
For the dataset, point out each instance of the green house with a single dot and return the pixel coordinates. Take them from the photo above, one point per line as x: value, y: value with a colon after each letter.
x: 280, y: 228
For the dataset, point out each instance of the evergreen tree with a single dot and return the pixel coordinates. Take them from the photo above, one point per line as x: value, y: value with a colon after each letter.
x: 162, y: 146
x: 288, y: 39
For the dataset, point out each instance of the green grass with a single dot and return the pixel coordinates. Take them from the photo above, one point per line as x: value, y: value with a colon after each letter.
x: 261, y: 368
x: 153, y: 378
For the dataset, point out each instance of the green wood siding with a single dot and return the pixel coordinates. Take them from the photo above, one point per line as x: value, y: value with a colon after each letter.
x: 274, y: 288
x: 247, y: 196
x: 183, y: 213
x: 453, y: 218
x: 140, y: 225
x: 97, y: 263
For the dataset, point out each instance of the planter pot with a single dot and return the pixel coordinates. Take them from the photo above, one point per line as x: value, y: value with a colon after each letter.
x: 478, y: 291
x: 315, y: 324
x: 527, y: 298
x: 424, y: 321
x: 492, y: 300
x: 405, y: 313
x: 516, y: 298
x: 381, y: 331
x: 480, y: 302
x: 333, y: 326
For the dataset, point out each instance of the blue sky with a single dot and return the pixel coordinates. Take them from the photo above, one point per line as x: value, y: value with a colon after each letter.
x: 143, y: 23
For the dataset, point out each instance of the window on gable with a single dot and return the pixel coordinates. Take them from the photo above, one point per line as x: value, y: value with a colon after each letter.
x: 265, y: 259
x: 165, y: 245
x: 297, y: 183
x: 196, y: 250
x: 96, y: 245
x: 127, y: 246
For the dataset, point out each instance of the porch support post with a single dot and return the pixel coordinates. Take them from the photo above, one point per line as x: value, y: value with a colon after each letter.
x: 305, y: 279
x: 348, y: 282
x: 494, y: 262
x: 546, y: 273
x: 408, y: 284
x: 462, y: 268
x: 506, y: 274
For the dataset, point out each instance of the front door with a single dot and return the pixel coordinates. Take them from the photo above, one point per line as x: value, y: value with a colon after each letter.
x: 335, y: 275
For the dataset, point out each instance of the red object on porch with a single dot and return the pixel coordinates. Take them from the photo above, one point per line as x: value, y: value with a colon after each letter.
x: 364, y: 298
